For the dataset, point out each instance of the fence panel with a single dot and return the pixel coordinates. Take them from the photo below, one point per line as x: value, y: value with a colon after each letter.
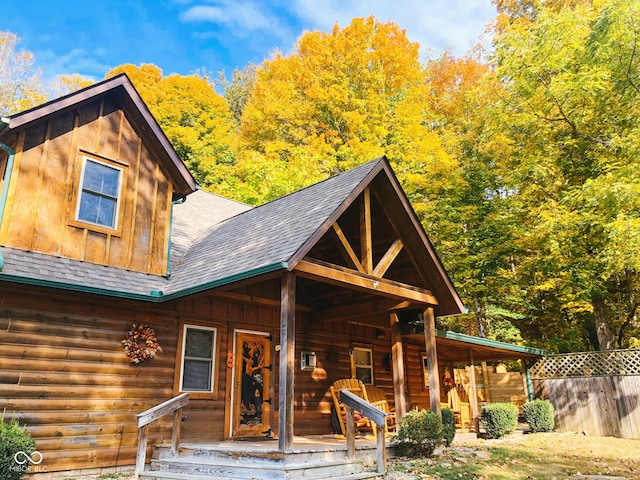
x: 597, y: 393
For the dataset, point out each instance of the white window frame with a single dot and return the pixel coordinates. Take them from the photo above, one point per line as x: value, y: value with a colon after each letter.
x: 363, y: 366
x: 214, y: 352
x: 118, y: 198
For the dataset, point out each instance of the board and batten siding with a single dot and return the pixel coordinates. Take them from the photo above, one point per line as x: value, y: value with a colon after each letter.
x: 40, y: 206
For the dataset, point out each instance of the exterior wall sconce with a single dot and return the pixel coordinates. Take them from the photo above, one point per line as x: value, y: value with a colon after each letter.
x: 380, y: 334
x: 308, y: 361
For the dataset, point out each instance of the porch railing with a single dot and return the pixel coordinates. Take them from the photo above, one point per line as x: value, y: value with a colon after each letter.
x: 173, y: 405
x: 376, y: 415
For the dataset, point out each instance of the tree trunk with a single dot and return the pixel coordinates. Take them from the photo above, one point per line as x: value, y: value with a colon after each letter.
x: 479, y: 323
x: 605, y: 337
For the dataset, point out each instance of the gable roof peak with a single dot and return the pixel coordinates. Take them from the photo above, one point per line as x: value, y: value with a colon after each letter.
x: 131, y: 102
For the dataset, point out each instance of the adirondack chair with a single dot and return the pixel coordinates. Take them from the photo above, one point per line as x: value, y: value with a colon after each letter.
x: 378, y: 398
x: 458, y: 401
x: 356, y: 387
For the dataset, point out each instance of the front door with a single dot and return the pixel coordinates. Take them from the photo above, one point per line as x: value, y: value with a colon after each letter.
x: 251, y: 402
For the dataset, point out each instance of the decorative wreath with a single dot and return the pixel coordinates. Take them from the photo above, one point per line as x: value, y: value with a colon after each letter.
x: 140, y: 343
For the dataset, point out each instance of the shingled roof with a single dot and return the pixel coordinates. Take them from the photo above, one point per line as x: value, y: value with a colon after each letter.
x: 214, y: 241
x: 264, y: 238
x: 217, y: 241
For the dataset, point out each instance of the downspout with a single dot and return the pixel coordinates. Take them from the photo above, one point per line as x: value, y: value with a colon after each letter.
x: 180, y: 200
x: 5, y: 184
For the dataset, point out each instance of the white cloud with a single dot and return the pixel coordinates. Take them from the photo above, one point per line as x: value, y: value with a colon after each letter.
x: 434, y: 24
x: 76, y: 60
x: 240, y: 17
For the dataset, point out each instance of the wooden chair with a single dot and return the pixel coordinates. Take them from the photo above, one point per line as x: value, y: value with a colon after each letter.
x: 459, y: 402
x: 378, y: 398
x: 356, y: 387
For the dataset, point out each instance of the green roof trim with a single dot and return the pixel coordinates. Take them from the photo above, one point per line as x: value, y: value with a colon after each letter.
x: 274, y: 267
x: 485, y: 342
x: 73, y: 287
x: 156, y: 296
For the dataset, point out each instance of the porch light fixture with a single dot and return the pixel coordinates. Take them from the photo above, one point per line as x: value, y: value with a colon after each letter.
x: 308, y: 361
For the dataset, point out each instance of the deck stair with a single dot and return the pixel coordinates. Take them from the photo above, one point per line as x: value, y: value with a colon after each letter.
x: 200, y: 462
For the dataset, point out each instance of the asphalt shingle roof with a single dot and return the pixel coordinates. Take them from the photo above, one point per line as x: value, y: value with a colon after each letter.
x: 267, y: 235
x: 214, y: 240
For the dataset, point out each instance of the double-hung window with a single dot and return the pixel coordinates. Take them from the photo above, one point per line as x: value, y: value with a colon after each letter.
x: 363, y: 365
x: 99, y: 194
x: 197, y: 369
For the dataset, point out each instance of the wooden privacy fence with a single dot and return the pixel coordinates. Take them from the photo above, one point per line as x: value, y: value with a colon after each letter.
x: 494, y: 386
x: 597, y: 393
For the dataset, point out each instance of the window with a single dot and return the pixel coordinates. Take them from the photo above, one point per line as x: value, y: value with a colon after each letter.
x: 363, y: 364
x: 197, y: 370
x: 99, y: 194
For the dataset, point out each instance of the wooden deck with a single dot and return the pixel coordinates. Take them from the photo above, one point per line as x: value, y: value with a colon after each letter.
x: 309, y: 458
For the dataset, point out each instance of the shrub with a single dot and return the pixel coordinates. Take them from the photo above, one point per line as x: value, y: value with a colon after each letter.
x: 418, y: 433
x: 499, y: 419
x: 448, y: 425
x: 539, y: 415
x: 13, y: 439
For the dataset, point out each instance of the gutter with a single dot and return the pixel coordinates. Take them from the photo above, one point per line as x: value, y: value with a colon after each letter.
x: 154, y: 296
x: 7, y: 180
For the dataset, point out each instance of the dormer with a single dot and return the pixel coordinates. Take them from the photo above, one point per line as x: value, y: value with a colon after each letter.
x: 91, y: 177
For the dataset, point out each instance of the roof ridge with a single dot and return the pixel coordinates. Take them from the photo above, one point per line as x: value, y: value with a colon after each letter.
x: 329, y: 178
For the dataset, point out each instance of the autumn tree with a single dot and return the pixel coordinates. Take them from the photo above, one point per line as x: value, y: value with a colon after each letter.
x: 65, y: 84
x: 20, y: 86
x: 195, y: 119
x: 570, y: 110
x: 341, y: 98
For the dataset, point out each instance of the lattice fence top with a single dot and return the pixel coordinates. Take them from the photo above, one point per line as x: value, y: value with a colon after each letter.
x: 588, y: 364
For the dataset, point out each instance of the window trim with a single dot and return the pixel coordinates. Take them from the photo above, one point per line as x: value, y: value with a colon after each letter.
x: 354, y: 367
x: 180, y: 358
x: 76, y: 197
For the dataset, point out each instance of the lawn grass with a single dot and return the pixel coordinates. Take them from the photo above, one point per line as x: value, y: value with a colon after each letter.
x: 540, y: 456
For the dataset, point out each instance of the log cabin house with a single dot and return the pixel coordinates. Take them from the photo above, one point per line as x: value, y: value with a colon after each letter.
x: 253, y: 312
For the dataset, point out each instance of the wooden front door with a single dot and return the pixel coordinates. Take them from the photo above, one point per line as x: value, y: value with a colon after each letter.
x: 252, y: 369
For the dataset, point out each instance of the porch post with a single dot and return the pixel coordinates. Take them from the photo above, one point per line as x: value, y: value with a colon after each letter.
x: 526, y: 379
x: 485, y: 379
x: 287, y: 360
x: 473, y: 393
x: 397, y: 358
x: 432, y: 359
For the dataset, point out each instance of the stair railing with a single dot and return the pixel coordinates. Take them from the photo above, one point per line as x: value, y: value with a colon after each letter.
x: 173, y: 405
x: 376, y: 415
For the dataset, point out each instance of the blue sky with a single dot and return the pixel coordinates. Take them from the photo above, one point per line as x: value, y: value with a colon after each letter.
x: 182, y: 36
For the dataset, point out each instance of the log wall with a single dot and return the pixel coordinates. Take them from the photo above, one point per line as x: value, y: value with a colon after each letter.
x: 63, y: 373
x: 40, y: 209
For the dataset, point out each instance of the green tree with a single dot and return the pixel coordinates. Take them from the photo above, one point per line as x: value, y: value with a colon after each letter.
x: 570, y: 111
x: 238, y: 89
x: 477, y: 239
